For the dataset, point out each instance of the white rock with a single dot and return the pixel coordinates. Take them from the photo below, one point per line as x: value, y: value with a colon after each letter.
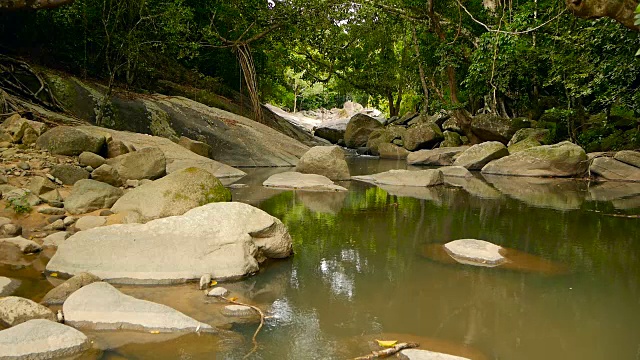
x: 26, y: 246
x: 299, y: 181
x: 422, y: 178
x: 100, y: 306
x: 90, y: 222
x: 238, y: 311
x: 475, y: 252
x: 56, y: 239
x: 218, y: 292
x: 205, y: 280
x: 41, y: 339
x: 455, y: 171
x: 15, y: 310
x: 226, y: 240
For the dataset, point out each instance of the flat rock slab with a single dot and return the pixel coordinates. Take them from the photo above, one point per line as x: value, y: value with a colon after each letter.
x: 8, y: 286
x: 298, y: 181
x: 475, y: 252
x: 41, y: 339
x: 629, y: 157
x: 226, y: 240
x: 435, y: 157
x: 100, y: 306
x: 416, y: 354
x: 15, y: 310
x: 455, y: 171
x: 612, y: 169
x: 420, y: 178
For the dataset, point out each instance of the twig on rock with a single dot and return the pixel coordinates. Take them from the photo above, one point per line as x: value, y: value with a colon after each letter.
x: 387, y: 352
x: 255, y: 334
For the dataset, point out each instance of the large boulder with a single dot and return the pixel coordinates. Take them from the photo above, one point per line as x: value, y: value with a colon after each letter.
x: 628, y: 157
x: 91, y: 159
x: 435, y: 157
x: 523, y: 145
x: 384, y: 136
x: 299, y: 181
x: 358, y: 130
x: 451, y: 139
x: 147, y: 163
x: 477, y: 156
x: 71, y: 141
x: 324, y: 160
x: 489, y: 127
x: 227, y: 240
x: 539, y: 135
x: 100, y: 306
x: 25, y: 246
x: 16, y: 310
x: 612, y: 169
x: 69, y: 174
x: 39, y: 185
x: 392, y: 151
x: 60, y: 293
x: 42, y: 339
x: 420, y: 178
x: 172, y: 195
x: 559, y: 160
x: 89, y: 195
x: 422, y: 136
x: 15, y: 126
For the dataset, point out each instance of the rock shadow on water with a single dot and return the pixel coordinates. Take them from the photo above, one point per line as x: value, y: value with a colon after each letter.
x: 552, y: 193
x: 474, y: 186
x: 516, y: 260
x: 364, y: 344
x: 325, y: 202
x: 610, y: 190
x: 435, y: 194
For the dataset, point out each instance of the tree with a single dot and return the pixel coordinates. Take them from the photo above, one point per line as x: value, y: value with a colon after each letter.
x: 621, y: 11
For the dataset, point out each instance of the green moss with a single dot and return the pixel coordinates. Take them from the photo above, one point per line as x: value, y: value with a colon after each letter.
x: 160, y: 122
x: 63, y: 90
x: 212, y: 194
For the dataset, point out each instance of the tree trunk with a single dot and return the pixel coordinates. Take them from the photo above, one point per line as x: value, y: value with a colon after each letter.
x: 423, y: 80
x: 392, y: 109
x: 621, y: 11
x: 451, y: 71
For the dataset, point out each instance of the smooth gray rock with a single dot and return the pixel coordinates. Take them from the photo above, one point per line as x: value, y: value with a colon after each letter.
x: 107, y: 174
x: 477, y: 156
x: 417, y: 354
x: 392, y: 151
x: 69, y: 174
x: 475, y: 252
x: 324, y: 160
x: 8, y: 286
x: 60, y: 293
x: 564, y: 159
x: 612, y: 169
x: 147, y: 163
x: 358, y: 129
x: 435, y: 157
x: 41, y: 339
x: 100, y: 306
x: 91, y: 159
x: 39, y: 185
x: 218, y: 292
x: 418, y: 178
x: 55, y: 239
x: 16, y: 310
x: 172, y: 195
x: 25, y: 246
x: 629, y: 157
x: 67, y: 140
x: 422, y: 136
x: 238, y: 311
x: 298, y: 181
x: 90, y: 222
x: 89, y: 195
x: 455, y: 171
x: 197, y: 147
x: 225, y: 239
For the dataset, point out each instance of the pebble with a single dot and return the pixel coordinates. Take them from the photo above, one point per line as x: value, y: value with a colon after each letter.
x: 205, y: 280
x: 218, y: 292
x: 56, y: 225
x: 54, y: 218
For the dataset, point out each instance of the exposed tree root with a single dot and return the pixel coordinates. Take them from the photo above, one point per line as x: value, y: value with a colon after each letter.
x: 255, y: 334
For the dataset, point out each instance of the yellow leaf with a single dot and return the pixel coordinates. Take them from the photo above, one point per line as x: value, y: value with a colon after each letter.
x: 214, y: 283
x: 154, y: 332
x: 54, y: 274
x: 233, y: 299
x: 387, y: 343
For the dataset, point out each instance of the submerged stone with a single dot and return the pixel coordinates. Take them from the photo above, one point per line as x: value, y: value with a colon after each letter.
x: 475, y: 252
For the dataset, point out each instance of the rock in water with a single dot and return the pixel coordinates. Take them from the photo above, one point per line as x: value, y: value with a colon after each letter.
x: 205, y: 280
x: 324, y: 160
x: 416, y: 354
x: 299, y: 181
x: 8, y: 286
x: 628, y: 157
x: 172, y: 195
x: 475, y: 252
x: 41, y: 339
x: 612, y: 169
x: 226, y: 240
x: 218, y: 292
x: 418, y: 178
x: 16, y: 310
x: 100, y: 306
x: 438, y: 157
x: 455, y: 171
x: 358, y: 130
x: 26, y: 246
x: 477, y: 156
x: 558, y: 160
x: 238, y: 311
x: 60, y: 293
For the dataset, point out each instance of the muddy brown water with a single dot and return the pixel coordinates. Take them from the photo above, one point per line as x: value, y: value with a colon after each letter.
x: 369, y: 265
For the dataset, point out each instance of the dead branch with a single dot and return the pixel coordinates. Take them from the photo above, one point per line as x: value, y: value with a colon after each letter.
x: 388, y: 352
x: 13, y: 72
x: 255, y: 334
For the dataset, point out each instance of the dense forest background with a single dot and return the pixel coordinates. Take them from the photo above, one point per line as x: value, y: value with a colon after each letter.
x: 579, y: 78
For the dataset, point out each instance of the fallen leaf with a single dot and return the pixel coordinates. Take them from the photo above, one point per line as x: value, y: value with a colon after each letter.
x: 387, y: 343
x: 233, y: 299
x: 54, y: 274
x: 154, y: 332
x: 214, y: 283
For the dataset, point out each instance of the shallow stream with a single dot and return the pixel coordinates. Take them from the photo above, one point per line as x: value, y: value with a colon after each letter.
x: 368, y: 265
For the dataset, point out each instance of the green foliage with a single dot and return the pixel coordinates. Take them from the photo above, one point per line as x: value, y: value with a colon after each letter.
x: 19, y: 205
